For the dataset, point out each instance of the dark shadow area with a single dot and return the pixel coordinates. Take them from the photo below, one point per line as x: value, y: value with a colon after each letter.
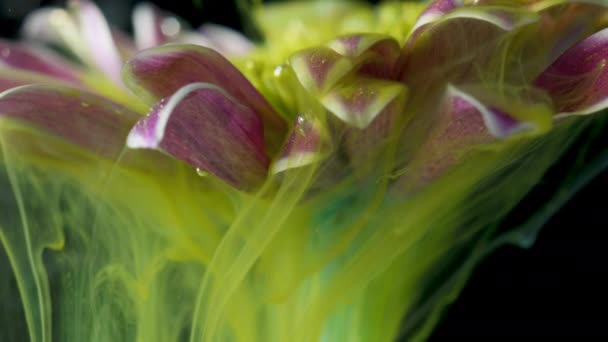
x: 556, y: 289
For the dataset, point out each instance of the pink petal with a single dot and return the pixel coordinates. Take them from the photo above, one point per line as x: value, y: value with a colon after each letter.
x: 496, y: 121
x: 578, y: 80
x: 365, y: 146
x: 159, y: 72
x: 562, y: 25
x: 305, y: 145
x: 436, y: 10
x: 375, y: 54
x: 463, y: 123
x: 209, y: 129
x: 319, y: 69
x: 82, y: 118
x: 359, y: 101
x: 460, y: 46
x: 19, y: 56
x: 10, y: 78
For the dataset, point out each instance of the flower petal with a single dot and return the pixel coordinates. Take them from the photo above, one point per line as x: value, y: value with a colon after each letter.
x: 83, y: 31
x: 307, y: 144
x: 562, y: 25
x: 159, y: 72
x: 82, y: 118
x: 10, y: 78
x: 37, y: 26
x: 458, y: 127
x: 355, y: 45
x: 365, y: 147
x: 498, y: 122
x: 153, y: 27
x: 436, y: 10
x: 55, y: 26
x: 147, y: 21
x: 376, y: 54
x: 359, y: 101
x: 14, y: 55
x: 469, y: 119
x: 578, y: 80
x: 204, y: 126
x: 461, y: 45
x: 126, y: 47
x: 319, y: 69
x: 228, y: 41
x: 504, y: 18
x: 97, y: 36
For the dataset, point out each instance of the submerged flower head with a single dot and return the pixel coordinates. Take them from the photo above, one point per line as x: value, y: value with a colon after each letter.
x: 342, y: 166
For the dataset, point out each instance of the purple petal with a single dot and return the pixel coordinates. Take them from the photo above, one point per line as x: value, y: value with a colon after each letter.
x: 319, y: 69
x: 364, y: 146
x: 10, y: 78
x: 375, y: 54
x: 209, y: 129
x: 14, y: 55
x: 436, y: 10
x: 461, y: 46
x: 507, y: 19
x: 359, y: 101
x: 159, y: 72
x: 462, y: 123
x: 497, y: 122
x: 562, y: 25
x: 306, y: 144
x: 457, y: 127
x: 355, y: 45
x: 82, y: 118
x: 578, y: 80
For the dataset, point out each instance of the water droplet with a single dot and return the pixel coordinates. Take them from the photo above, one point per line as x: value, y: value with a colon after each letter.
x: 84, y: 104
x: 202, y: 172
x: 278, y: 71
x: 160, y: 105
x: 170, y: 27
x: 300, y: 125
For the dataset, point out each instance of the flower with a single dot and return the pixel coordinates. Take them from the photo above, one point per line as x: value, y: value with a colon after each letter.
x: 346, y: 181
x: 99, y: 49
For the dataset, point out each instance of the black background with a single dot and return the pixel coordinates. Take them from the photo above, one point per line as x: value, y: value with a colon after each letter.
x: 557, y: 288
